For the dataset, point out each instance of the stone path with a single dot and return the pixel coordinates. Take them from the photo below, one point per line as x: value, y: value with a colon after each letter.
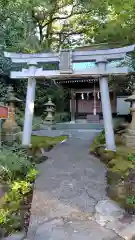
x: 69, y: 185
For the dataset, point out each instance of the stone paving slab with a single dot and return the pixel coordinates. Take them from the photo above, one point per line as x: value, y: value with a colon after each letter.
x: 69, y: 185
x: 62, y: 229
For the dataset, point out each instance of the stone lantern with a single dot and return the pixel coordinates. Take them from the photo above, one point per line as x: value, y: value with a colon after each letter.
x: 50, y: 109
x: 10, y: 128
x: 130, y: 134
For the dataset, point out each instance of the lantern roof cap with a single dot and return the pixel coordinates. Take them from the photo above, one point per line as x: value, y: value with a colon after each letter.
x: 49, y: 103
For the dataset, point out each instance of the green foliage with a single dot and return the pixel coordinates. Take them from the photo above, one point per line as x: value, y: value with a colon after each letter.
x: 41, y: 25
x: 120, y: 179
x: 120, y: 173
x: 44, y: 141
x: 13, y: 165
x: 47, y: 143
x: 131, y: 158
x: 19, y: 173
x: 3, y: 90
x: 31, y: 175
x: 57, y: 93
x: 131, y: 200
x: 121, y: 165
x: 65, y: 23
x: 62, y: 117
x: 10, y: 212
x: 37, y: 121
x: 20, y: 117
x: 98, y: 141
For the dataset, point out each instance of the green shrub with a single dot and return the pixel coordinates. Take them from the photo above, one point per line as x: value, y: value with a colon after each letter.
x: 62, y: 117
x: 131, y: 158
x: 121, y: 165
x: 122, y: 189
x: 20, y: 118
x: 10, y: 212
x: 36, y: 123
x: 13, y: 165
x: 19, y: 173
x: 11, y: 203
x: 98, y: 141
x: 16, y: 171
x: 120, y: 174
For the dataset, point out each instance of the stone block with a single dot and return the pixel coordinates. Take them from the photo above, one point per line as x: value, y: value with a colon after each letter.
x: 115, y: 238
x: 128, y: 233
x: 124, y: 228
x: 117, y: 226
x: 129, y: 140
x: 107, y: 211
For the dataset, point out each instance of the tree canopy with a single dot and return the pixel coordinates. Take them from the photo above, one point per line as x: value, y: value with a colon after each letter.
x: 41, y: 25
x: 47, y: 25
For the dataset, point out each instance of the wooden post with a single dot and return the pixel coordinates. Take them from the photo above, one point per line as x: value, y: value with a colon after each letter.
x: 72, y: 106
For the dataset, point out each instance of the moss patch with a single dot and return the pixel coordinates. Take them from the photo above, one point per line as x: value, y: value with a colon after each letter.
x: 120, y: 165
x: 44, y: 141
x: 98, y: 141
x: 124, y: 151
x: 120, y: 174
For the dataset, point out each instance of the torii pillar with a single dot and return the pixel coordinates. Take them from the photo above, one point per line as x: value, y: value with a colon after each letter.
x: 106, y: 105
x: 29, y: 108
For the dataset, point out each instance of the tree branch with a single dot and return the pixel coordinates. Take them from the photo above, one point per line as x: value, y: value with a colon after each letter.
x: 68, y: 34
x: 72, y: 13
x: 40, y: 32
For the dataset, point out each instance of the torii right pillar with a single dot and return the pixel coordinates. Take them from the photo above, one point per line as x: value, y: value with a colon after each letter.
x: 106, y: 105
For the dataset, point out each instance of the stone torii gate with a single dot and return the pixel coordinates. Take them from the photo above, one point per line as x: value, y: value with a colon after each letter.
x: 66, y: 58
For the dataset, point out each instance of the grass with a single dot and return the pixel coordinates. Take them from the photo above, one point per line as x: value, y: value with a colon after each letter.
x: 45, y: 141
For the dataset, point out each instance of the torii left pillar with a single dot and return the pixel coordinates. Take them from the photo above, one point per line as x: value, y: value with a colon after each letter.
x: 29, y: 108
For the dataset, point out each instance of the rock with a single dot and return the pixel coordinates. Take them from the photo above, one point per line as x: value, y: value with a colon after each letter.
x: 118, y: 139
x: 107, y: 156
x: 100, y: 150
x: 117, y: 192
x: 114, y: 177
x: 131, y: 176
x: 107, y: 211
x: 15, y: 236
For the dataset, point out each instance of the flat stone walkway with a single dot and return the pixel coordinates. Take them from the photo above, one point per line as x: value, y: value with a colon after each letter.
x: 69, y: 185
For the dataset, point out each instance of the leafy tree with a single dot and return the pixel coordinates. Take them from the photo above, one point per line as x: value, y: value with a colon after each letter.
x: 46, y: 25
